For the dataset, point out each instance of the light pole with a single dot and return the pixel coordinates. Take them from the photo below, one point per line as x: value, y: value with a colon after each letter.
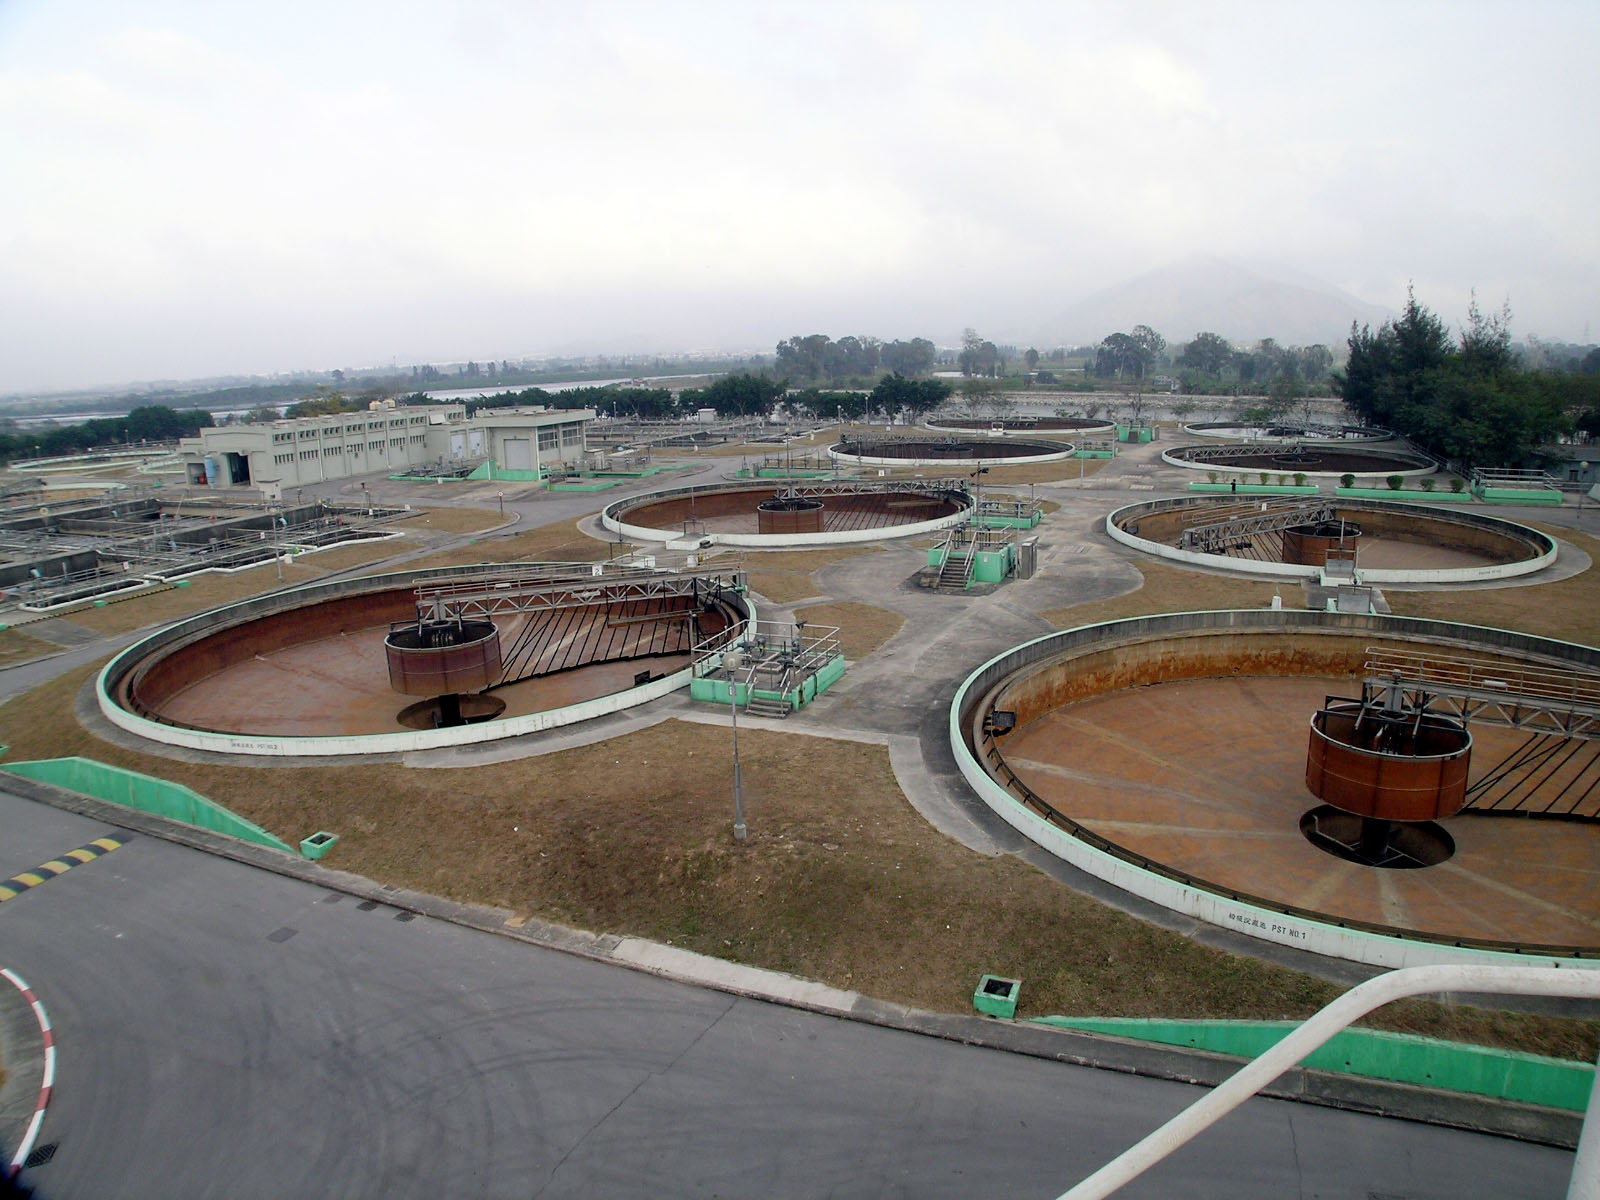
x: 738, y: 779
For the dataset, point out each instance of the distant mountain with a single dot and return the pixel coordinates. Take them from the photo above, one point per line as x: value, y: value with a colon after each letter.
x: 1242, y: 303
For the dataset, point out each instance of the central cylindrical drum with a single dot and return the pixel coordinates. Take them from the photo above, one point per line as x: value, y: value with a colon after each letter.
x: 789, y: 514
x: 1308, y: 545
x: 443, y: 658
x: 1421, y: 776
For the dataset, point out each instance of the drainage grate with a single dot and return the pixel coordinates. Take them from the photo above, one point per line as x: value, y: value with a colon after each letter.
x: 405, y: 916
x: 367, y: 905
x: 332, y: 898
x: 40, y: 1156
x: 281, y: 935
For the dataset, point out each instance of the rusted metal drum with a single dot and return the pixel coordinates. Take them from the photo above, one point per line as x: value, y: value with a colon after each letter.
x: 789, y: 514
x: 436, y: 659
x: 1389, y: 771
x: 1308, y: 545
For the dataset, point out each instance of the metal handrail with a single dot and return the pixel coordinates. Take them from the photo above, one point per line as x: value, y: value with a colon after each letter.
x: 1330, y: 1020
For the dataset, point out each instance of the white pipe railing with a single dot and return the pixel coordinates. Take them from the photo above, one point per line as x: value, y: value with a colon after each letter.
x: 1323, y: 1025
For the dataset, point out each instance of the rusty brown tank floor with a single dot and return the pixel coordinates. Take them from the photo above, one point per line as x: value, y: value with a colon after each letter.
x: 340, y: 686
x: 1208, y: 776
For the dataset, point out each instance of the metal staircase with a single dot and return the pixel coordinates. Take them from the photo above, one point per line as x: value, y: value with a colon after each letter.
x: 960, y: 560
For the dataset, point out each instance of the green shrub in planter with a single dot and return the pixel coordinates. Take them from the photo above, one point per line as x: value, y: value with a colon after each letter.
x: 1457, y: 483
x: 1265, y: 475
x: 1212, y: 476
x: 1347, y: 480
x: 1394, y: 482
x: 1428, y: 483
x: 1299, y: 479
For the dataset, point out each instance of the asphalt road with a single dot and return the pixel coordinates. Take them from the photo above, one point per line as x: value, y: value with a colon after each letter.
x: 226, y: 1032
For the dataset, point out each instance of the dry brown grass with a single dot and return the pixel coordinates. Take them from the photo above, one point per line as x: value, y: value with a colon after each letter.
x: 1079, y: 468
x: 1568, y: 609
x: 354, y: 555
x: 840, y: 880
x: 786, y: 576
x: 1173, y: 589
x: 203, y: 592
x: 453, y: 520
x: 862, y: 627
x: 17, y: 646
x: 561, y: 542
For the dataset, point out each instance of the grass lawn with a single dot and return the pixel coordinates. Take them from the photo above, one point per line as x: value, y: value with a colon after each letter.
x: 840, y: 880
x: 786, y: 576
x: 17, y: 646
x: 862, y: 627
x: 453, y: 520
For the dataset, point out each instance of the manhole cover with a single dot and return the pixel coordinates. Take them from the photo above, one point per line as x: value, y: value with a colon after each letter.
x: 40, y: 1155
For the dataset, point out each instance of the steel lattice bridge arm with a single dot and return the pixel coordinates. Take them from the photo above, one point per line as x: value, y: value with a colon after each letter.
x: 566, y: 585
x: 1235, y: 523
x: 854, y: 487
x: 1539, y: 699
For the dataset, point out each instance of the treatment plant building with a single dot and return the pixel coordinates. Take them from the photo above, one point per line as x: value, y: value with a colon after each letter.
x: 522, y: 443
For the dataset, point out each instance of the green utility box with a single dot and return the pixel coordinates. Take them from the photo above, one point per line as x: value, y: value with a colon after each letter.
x: 997, y: 996
x: 318, y: 844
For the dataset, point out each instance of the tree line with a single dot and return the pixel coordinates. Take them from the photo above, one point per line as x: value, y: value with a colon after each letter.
x: 148, y: 423
x: 1467, y: 400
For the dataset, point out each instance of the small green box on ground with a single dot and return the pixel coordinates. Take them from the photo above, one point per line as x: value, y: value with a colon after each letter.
x: 997, y: 997
x: 318, y: 844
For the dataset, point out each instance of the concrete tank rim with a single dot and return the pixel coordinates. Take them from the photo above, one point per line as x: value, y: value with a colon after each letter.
x: 1174, y: 458
x: 1548, y: 548
x: 1388, y: 950
x: 610, y: 519
x: 1066, y: 450
x: 360, y: 745
x: 1087, y: 429
x: 1366, y: 434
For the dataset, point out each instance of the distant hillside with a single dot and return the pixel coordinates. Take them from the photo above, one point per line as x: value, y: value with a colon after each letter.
x: 1241, y: 303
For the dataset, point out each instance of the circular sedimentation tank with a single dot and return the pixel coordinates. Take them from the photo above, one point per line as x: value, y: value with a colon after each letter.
x: 1393, y: 543
x: 1312, y: 459
x: 766, y: 515
x: 1169, y: 756
x: 338, y: 668
x: 948, y: 452
x: 1289, y: 432
x: 1015, y: 425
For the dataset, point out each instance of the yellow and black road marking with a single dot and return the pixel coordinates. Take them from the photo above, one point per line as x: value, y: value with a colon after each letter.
x: 18, y: 884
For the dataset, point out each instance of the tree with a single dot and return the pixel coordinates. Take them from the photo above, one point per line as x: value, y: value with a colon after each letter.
x: 1119, y: 355
x: 1031, y: 357
x: 1151, y: 342
x: 1466, y: 402
x: 742, y: 395
x: 911, y: 359
x: 895, y: 393
x: 1207, y: 352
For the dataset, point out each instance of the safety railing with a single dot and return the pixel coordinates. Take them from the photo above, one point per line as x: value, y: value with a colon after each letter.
x: 1321, y: 1027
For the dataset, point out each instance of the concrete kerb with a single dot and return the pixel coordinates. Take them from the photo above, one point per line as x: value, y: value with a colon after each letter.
x: 22, y: 1051
x: 1101, y: 1051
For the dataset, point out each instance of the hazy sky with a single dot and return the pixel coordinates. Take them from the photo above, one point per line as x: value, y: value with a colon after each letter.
x: 200, y: 188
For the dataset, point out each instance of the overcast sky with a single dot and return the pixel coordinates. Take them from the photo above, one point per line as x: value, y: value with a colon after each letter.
x: 205, y: 188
